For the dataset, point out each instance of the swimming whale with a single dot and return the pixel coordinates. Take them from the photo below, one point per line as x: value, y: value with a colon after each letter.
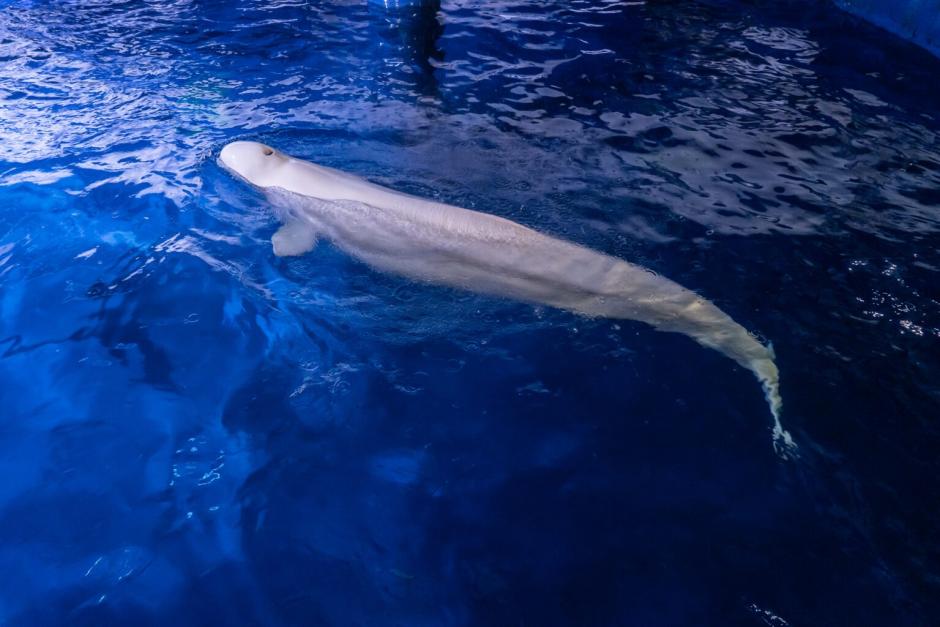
x: 438, y: 243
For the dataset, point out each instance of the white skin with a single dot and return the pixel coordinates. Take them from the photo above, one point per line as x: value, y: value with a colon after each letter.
x: 443, y: 244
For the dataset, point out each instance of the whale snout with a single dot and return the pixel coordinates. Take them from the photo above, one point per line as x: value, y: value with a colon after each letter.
x: 241, y: 151
x: 250, y: 160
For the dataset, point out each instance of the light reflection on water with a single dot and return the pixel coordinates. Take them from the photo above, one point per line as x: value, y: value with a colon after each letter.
x: 195, y: 431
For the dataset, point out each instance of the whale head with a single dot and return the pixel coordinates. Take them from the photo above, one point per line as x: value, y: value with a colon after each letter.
x: 267, y: 168
x: 256, y: 163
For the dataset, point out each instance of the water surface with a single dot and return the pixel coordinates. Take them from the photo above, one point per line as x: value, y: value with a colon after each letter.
x: 196, y: 432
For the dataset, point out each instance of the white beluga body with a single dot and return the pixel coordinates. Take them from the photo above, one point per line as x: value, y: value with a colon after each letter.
x: 438, y: 243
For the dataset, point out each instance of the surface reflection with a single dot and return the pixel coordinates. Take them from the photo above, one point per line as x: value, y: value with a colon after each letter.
x: 195, y: 432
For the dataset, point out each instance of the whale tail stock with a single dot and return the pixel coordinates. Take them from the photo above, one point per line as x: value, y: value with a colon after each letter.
x: 711, y: 327
x: 734, y: 341
x: 667, y: 306
x: 738, y: 344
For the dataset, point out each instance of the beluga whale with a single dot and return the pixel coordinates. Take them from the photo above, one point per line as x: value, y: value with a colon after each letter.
x: 438, y: 243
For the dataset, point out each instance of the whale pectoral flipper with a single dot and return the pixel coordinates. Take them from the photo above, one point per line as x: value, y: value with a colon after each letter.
x: 296, y: 237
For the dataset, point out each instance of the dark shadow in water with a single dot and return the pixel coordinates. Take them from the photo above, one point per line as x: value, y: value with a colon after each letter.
x: 413, y: 28
x: 117, y: 331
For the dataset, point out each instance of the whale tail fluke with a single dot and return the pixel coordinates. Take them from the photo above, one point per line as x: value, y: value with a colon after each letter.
x: 769, y: 377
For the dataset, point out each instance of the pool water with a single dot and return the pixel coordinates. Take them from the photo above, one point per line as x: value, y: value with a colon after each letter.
x: 196, y: 432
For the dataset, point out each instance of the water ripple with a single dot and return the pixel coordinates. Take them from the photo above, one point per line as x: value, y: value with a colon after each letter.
x: 195, y: 431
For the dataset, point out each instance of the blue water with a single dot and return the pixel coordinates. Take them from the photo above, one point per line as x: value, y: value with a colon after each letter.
x: 917, y: 20
x: 195, y: 432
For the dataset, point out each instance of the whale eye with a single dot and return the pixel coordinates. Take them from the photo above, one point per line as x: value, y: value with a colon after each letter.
x: 268, y: 152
